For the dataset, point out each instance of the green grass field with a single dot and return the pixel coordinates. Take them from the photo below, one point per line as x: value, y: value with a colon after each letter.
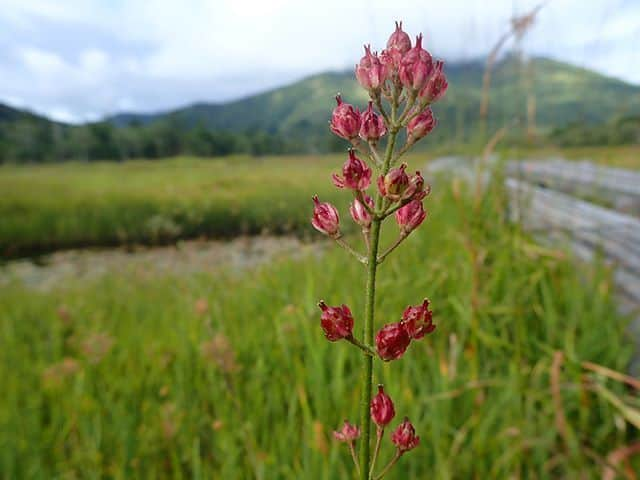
x: 70, y: 205
x: 76, y: 205
x: 226, y: 375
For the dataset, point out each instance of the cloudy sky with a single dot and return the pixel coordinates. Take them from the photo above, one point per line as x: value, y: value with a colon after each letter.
x: 78, y: 60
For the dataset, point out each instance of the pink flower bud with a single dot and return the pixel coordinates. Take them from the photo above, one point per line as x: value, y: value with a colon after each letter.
x: 420, y: 126
x: 416, y: 67
x: 357, y: 174
x: 394, y: 184
x: 370, y: 72
x: 398, y: 45
x: 345, y: 120
x: 399, y: 40
x: 392, y: 341
x: 404, y: 437
x: 416, y: 189
x: 336, y: 322
x: 418, y: 320
x: 348, y: 433
x: 325, y: 218
x: 382, y: 410
x: 410, y: 216
x: 437, y: 85
x: 372, y: 127
x: 360, y: 214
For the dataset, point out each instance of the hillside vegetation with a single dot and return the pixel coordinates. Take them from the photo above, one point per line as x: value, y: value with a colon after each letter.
x: 570, y: 102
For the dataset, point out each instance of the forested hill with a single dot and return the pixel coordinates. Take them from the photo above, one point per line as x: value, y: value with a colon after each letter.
x: 294, y: 118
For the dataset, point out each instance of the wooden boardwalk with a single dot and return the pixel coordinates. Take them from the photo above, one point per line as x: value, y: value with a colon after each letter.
x: 616, y: 187
x: 542, y: 200
x: 591, y: 209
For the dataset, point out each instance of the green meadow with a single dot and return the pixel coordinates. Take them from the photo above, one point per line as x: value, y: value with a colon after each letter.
x: 226, y: 374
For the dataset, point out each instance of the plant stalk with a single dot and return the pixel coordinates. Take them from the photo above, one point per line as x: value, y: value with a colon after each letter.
x: 369, y: 307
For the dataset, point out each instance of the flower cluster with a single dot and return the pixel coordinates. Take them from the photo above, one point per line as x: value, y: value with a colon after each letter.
x: 403, y: 81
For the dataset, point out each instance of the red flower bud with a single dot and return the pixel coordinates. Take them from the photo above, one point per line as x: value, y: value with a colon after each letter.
x: 357, y: 174
x: 370, y: 72
x: 418, y: 320
x: 348, y: 433
x: 416, y: 189
x: 394, y: 183
x: 404, y: 437
x: 372, y: 127
x: 410, y: 216
x: 360, y: 214
x: 345, y: 120
x: 382, y: 410
x: 336, y: 322
x: 420, y: 126
x: 392, y: 341
x: 437, y: 85
x: 416, y: 67
x: 325, y: 218
x: 399, y: 41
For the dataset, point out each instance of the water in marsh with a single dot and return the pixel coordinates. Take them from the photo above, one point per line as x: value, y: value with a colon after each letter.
x: 186, y: 257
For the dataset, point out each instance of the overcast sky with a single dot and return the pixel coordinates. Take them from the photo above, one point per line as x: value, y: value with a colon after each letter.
x: 77, y: 60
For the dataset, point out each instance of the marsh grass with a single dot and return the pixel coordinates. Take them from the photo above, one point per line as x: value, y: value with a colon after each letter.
x: 228, y: 376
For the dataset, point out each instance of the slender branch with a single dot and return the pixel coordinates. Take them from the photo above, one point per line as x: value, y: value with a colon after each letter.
x: 421, y: 107
x: 401, y: 152
x: 357, y: 144
x: 393, y: 246
x: 393, y: 461
x: 407, y: 108
x: 361, y: 258
x: 383, y: 112
x: 365, y: 234
x: 365, y: 348
x: 396, y: 208
x: 354, y: 456
x: 374, y: 154
x: 376, y: 450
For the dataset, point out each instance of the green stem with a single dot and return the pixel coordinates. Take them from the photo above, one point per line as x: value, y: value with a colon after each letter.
x: 376, y: 451
x: 393, y: 461
x: 393, y: 246
x: 369, y: 306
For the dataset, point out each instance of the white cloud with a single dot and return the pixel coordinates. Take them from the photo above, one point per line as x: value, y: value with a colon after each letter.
x: 76, y: 58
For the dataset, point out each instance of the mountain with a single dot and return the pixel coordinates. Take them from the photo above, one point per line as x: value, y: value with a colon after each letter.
x: 574, y: 107
x: 564, y: 94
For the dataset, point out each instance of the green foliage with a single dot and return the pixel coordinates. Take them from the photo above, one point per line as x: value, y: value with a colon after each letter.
x: 77, y: 204
x: 144, y: 392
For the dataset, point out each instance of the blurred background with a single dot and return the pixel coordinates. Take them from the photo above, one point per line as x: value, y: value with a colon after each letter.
x: 159, y: 275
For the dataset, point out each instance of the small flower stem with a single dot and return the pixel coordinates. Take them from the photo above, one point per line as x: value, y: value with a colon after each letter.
x: 393, y: 461
x: 376, y: 450
x: 369, y: 306
x: 407, y: 108
x: 421, y: 107
x: 365, y: 235
x: 396, y: 208
x: 401, y: 152
x: 374, y: 154
x: 365, y: 348
x: 393, y: 246
x: 355, y: 457
x: 361, y: 258
x: 378, y: 102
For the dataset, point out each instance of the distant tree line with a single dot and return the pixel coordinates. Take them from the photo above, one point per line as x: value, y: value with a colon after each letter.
x: 622, y: 131
x: 33, y: 139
